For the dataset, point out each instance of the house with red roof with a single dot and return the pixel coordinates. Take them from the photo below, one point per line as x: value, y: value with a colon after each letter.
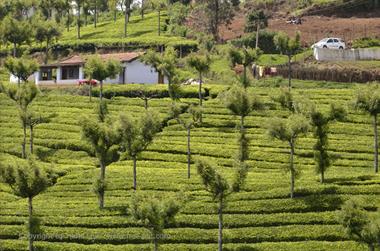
x: 71, y: 70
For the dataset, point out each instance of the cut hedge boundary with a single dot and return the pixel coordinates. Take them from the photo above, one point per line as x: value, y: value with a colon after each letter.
x: 156, y: 91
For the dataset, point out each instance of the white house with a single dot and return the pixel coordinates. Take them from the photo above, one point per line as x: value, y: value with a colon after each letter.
x: 70, y: 70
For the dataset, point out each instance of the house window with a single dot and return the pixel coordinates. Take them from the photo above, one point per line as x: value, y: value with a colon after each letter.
x: 46, y: 74
x: 70, y: 72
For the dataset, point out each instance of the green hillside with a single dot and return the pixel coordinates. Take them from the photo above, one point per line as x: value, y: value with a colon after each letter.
x: 140, y: 32
x: 261, y: 217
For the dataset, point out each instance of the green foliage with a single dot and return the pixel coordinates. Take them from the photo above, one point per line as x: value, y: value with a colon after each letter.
x: 366, y: 43
x: 368, y: 99
x: 286, y: 45
x: 177, y: 14
x: 254, y: 19
x: 99, y: 187
x: 25, y: 180
x: 21, y: 68
x: 241, y: 102
x: 266, y: 41
x: 214, y: 183
x: 200, y: 63
x: 33, y: 226
x: 289, y: 130
x: 96, y: 68
x: 15, y: 31
x: 137, y: 134
x: 358, y: 225
x: 155, y: 214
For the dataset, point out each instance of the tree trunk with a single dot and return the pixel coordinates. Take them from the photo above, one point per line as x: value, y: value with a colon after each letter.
x: 220, y: 225
x: 142, y: 9
x: 200, y: 96
x: 30, y: 237
x: 376, y: 145
x: 24, y: 140
x: 47, y: 51
x: 155, y: 242
x: 68, y: 15
x: 14, y: 50
x: 290, y: 72
x: 146, y: 103
x: 78, y: 21
x: 90, y: 92
x: 188, y: 152
x: 322, y: 176
x: 292, y: 171
x: 102, y: 178
x: 159, y: 22
x: 216, y: 21
x: 257, y: 36
x: 101, y: 91
x: 126, y: 18
x: 31, y: 139
x: 245, y: 76
x: 114, y: 16
x: 134, y: 173
x: 371, y: 247
x: 95, y: 14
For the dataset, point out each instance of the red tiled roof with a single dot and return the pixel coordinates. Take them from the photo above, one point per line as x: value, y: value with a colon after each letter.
x: 122, y: 57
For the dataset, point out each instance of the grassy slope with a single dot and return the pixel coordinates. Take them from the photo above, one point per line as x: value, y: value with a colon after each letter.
x: 139, y: 31
x: 261, y: 216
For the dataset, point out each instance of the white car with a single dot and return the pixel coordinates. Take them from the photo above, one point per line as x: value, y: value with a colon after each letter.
x: 330, y: 43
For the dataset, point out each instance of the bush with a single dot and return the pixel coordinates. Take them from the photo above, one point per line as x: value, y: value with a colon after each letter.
x: 366, y: 42
x: 266, y: 43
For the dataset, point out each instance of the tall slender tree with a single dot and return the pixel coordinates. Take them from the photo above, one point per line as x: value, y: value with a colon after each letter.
x: 96, y: 68
x: 136, y: 135
x: 16, y: 32
x: 166, y: 65
x: 103, y: 137
x: 28, y: 181
x: 23, y: 96
x: 245, y: 57
x: 256, y: 20
x: 241, y: 102
x: 155, y: 214
x: 127, y: 13
x: 201, y: 63
x: 47, y: 31
x: 359, y: 225
x: 79, y: 21
x: 289, y: 131
x: 219, y: 190
x: 22, y: 68
x: 368, y: 101
x: 32, y: 120
x: 320, y: 123
x: 289, y: 47
x: 188, y: 121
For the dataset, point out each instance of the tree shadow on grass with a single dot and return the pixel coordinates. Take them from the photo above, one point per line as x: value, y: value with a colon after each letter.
x: 45, y: 154
x: 91, y: 34
x: 350, y: 180
x: 122, y: 210
x: 326, y: 199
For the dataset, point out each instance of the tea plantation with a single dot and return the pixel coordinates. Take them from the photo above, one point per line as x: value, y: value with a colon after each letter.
x: 260, y: 217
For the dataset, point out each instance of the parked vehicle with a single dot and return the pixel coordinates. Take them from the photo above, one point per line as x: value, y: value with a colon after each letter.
x: 330, y: 43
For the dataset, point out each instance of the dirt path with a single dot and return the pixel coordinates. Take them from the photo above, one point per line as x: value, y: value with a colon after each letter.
x: 315, y: 28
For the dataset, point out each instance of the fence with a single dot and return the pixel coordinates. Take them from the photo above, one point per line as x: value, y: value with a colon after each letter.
x: 323, y: 54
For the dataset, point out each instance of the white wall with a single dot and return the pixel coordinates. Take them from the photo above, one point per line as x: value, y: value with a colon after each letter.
x: 323, y: 54
x: 138, y: 72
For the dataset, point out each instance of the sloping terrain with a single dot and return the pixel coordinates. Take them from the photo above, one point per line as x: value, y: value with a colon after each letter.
x: 321, y: 19
x: 261, y: 217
